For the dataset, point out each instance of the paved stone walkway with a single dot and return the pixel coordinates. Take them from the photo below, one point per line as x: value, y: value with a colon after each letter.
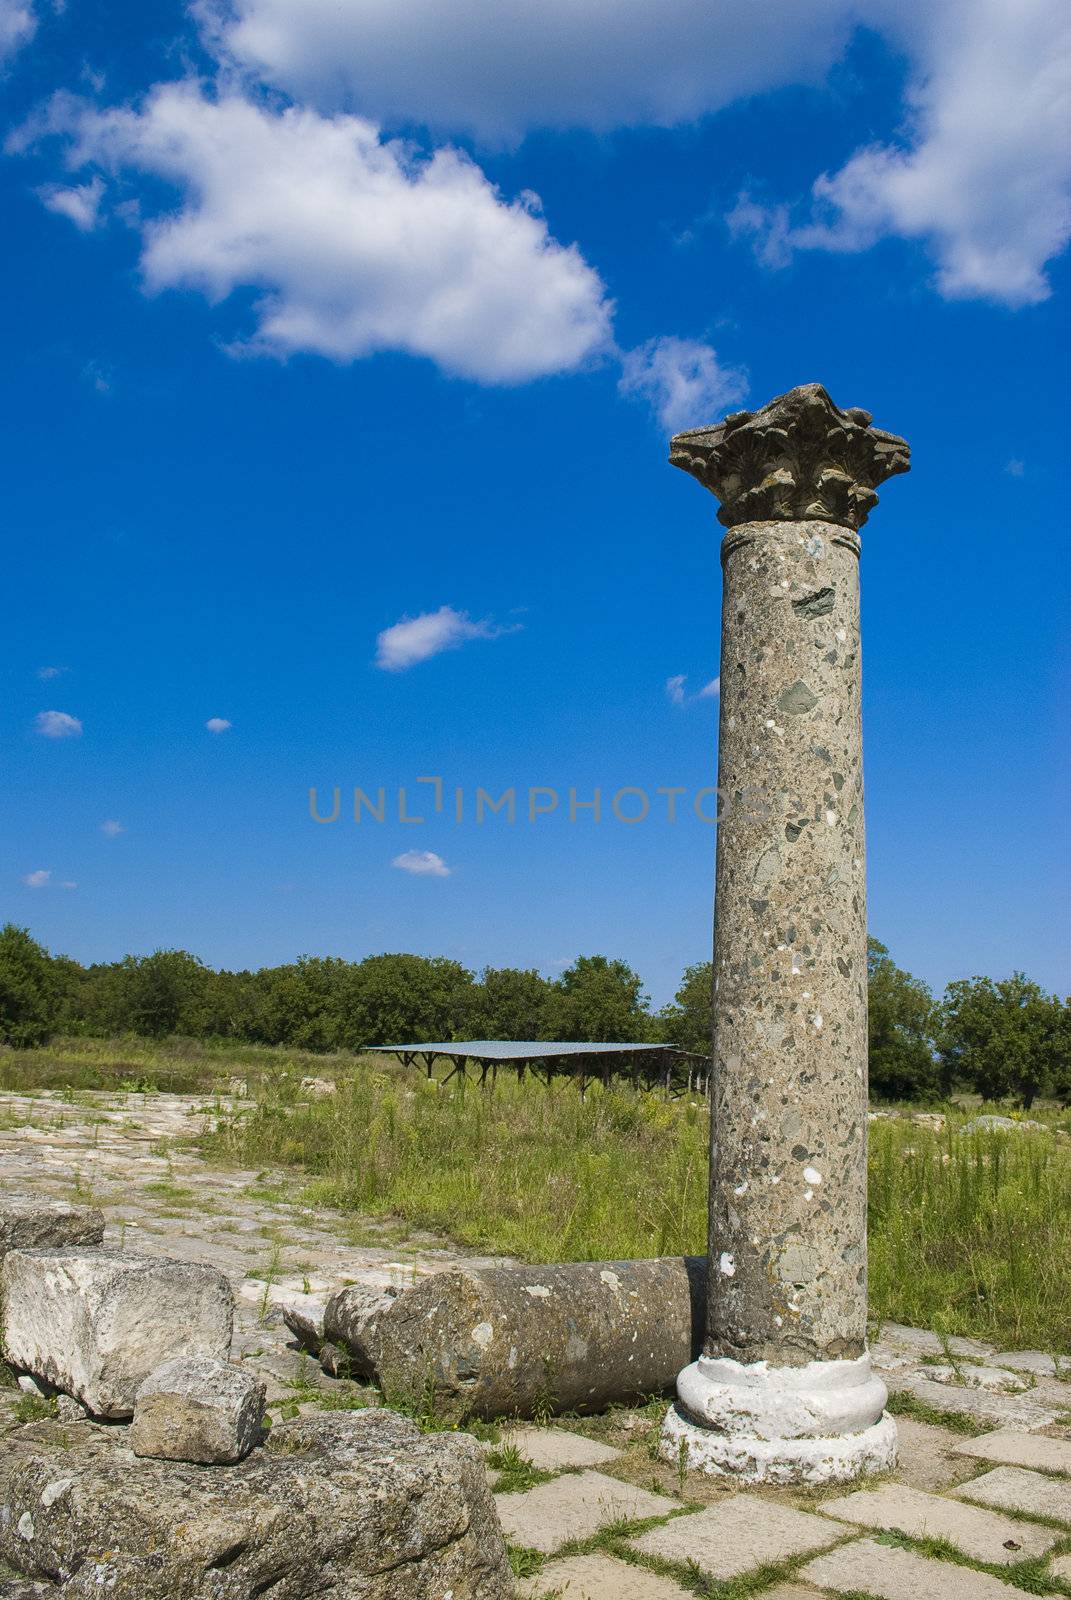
x: 980, y: 1510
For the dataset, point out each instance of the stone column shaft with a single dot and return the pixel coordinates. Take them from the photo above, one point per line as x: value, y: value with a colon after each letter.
x: 784, y: 1390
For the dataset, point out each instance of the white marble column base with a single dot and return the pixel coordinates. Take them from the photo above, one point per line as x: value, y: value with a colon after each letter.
x: 821, y: 1423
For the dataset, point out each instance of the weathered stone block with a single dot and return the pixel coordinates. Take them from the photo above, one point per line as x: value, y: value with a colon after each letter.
x: 510, y: 1341
x: 600, y: 1578
x: 197, y: 1409
x: 1011, y: 1448
x: 95, y: 1323
x: 30, y: 1222
x: 1030, y: 1494
x: 555, y: 1449
x: 358, y: 1505
x: 351, y: 1323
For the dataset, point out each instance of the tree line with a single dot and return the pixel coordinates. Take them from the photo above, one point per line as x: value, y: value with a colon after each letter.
x: 1003, y: 1039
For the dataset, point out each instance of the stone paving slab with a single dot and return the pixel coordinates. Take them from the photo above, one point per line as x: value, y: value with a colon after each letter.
x: 574, y: 1507
x: 551, y: 1449
x: 1011, y: 1448
x: 1061, y: 1568
x: 601, y: 1578
x: 1009, y: 1410
x: 1036, y: 1361
x: 737, y: 1535
x: 982, y: 1535
x: 887, y: 1573
x: 788, y: 1591
x: 1015, y: 1489
x: 926, y: 1458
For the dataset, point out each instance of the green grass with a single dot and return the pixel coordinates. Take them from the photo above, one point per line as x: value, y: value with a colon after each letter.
x: 967, y: 1233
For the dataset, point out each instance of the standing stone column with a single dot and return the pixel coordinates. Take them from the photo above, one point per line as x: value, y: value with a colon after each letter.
x: 784, y: 1390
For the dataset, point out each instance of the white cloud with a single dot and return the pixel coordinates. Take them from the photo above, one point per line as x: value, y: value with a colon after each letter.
x: 39, y: 879
x: 111, y: 828
x: 1015, y: 468
x: 982, y: 172
x: 45, y: 673
x: 682, y: 380
x: 416, y: 639
x: 355, y: 245
x: 217, y: 724
x: 499, y: 67
x: 422, y: 864
x: 67, y: 884
x: 17, y: 23
x: 80, y: 203
x: 57, y: 725
x: 677, y: 695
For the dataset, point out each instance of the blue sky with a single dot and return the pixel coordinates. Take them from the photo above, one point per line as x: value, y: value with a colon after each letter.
x: 295, y: 355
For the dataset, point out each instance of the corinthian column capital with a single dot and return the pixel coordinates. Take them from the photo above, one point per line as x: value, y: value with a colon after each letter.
x: 799, y: 458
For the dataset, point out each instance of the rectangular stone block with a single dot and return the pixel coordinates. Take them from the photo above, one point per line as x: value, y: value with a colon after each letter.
x: 1015, y: 1489
x: 195, y: 1408
x: 95, y: 1323
x: 574, y: 1507
x: 553, y: 1449
x: 1012, y: 1448
x: 31, y: 1222
x: 355, y: 1505
x: 740, y: 1534
x: 926, y: 1455
x: 600, y: 1578
x: 981, y: 1535
x: 887, y: 1573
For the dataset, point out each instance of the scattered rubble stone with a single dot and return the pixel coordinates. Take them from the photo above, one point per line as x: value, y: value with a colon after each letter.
x: 358, y: 1505
x: 194, y: 1408
x: 95, y: 1323
x: 306, y: 1323
x: 31, y: 1222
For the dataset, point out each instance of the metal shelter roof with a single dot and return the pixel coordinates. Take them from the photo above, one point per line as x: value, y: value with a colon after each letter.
x: 521, y: 1049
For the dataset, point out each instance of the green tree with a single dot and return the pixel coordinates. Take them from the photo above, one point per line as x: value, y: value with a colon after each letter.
x: 900, y: 1030
x: 1006, y: 1039
x: 597, y: 1001
x: 689, y: 1021
x: 511, y: 1003
x: 398, y: 999
x: 31, y: 990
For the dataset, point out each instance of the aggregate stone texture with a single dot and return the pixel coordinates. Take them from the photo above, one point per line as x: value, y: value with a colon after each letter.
x: 1061, y: 1568
x: 600, y: 1578
x: 981, y: 1535
x: 96, y: 1322
x: 197, y: 1409
x: 1030, y: 1494
x: 737, y: 1535
x: 30, y: 1222
x: 358, y: 1505
x: 788, y: 1166
x: 888, y: 1573
x: 1013, y: 1449
x: 552, y: 1449
x: 572, y: 1507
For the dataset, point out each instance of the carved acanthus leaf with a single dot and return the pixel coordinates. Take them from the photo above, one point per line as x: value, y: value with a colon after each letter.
x: 800, y: 457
